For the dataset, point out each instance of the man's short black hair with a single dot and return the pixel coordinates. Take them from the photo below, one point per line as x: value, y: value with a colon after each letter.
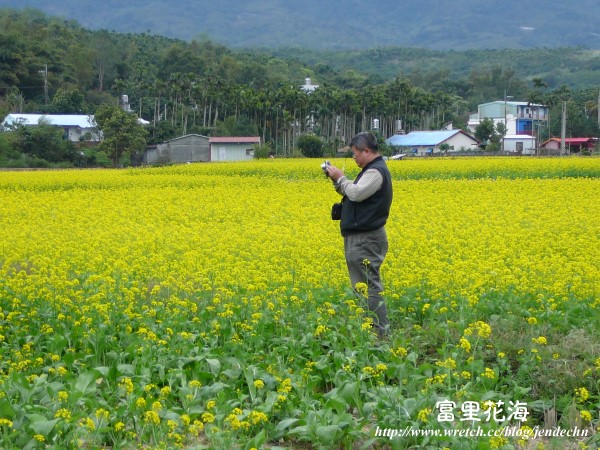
x: 365, y: 140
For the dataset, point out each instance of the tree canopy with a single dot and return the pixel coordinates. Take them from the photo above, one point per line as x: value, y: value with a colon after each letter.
x: 121, y: 133
x: 205, y: 88
x: 310, y: 146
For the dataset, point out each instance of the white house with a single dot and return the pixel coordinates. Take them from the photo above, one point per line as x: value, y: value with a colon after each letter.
x: 523, y: 121
x: 76, y: 126
x: 422, y: 143
x: 232, y: 148
x: 521, y: 144
x: 520, y: 117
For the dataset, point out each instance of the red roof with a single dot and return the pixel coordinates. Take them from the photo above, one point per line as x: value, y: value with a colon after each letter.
x: 584, y: 140
x: 234, y: 140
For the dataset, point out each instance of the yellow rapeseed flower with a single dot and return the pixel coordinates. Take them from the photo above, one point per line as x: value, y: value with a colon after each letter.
x: 423, y: 415
x: 362, y: 289
x: 87, y: 423
x: 127, y: 385
x: 488, y: 373
x: 465, y: 344
x: 582, y: 395
x: 63, y: 413
x: 449, y: 363
x: 208, y: 417
x: 399, y: 352
x: 151, y: 417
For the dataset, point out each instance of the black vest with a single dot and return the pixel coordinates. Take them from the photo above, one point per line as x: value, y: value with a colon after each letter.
x: 371, y: 213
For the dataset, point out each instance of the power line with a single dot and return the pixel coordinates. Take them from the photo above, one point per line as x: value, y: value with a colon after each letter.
x: 23, y: 87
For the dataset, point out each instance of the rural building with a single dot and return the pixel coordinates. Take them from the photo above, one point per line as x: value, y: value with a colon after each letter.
x: 523, y: 122
x: 189, y: 148
x: 519, y: 117
x: 77, y: 127
x: 519, y: 144
x: 573, y: 145
x: 423, y: 143
x: 232, y: 148
x: 198, y: 148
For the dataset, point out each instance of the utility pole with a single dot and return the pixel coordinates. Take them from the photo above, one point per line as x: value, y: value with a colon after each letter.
x: 45, y: 74
x: 506, y: 97
x: 504, y: 137
x: 563, y: 129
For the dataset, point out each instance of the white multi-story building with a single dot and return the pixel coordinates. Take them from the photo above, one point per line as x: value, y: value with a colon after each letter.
x: 523, y: 122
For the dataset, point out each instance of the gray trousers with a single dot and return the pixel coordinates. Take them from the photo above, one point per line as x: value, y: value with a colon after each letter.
x: 365, y: 253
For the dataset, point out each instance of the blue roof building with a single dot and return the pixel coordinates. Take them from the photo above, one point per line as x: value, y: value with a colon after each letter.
x: 423, y: 143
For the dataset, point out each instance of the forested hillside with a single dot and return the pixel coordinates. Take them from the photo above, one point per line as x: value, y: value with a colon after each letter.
x: 345, y: 24
x: 51, y: 66
x: 574, y: 67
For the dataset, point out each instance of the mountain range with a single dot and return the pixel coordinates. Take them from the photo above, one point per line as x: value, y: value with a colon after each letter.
x: 343, y: 24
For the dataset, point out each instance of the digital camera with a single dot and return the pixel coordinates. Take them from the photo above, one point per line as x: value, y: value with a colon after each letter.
x: 324, y: 167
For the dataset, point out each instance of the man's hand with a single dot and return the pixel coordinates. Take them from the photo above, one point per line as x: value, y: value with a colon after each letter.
x: 334, y: 173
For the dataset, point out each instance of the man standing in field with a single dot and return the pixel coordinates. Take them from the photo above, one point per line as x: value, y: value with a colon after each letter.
x: 365, y: 209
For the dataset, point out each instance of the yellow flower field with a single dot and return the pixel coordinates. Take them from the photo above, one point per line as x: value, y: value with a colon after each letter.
x: 209, y: 304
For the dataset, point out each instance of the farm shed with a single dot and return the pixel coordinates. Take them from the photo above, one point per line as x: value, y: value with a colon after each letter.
x: 231, y: 148
x: 188, y: 148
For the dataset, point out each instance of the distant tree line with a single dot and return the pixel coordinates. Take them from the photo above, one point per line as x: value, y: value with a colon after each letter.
x: 48, y: 65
